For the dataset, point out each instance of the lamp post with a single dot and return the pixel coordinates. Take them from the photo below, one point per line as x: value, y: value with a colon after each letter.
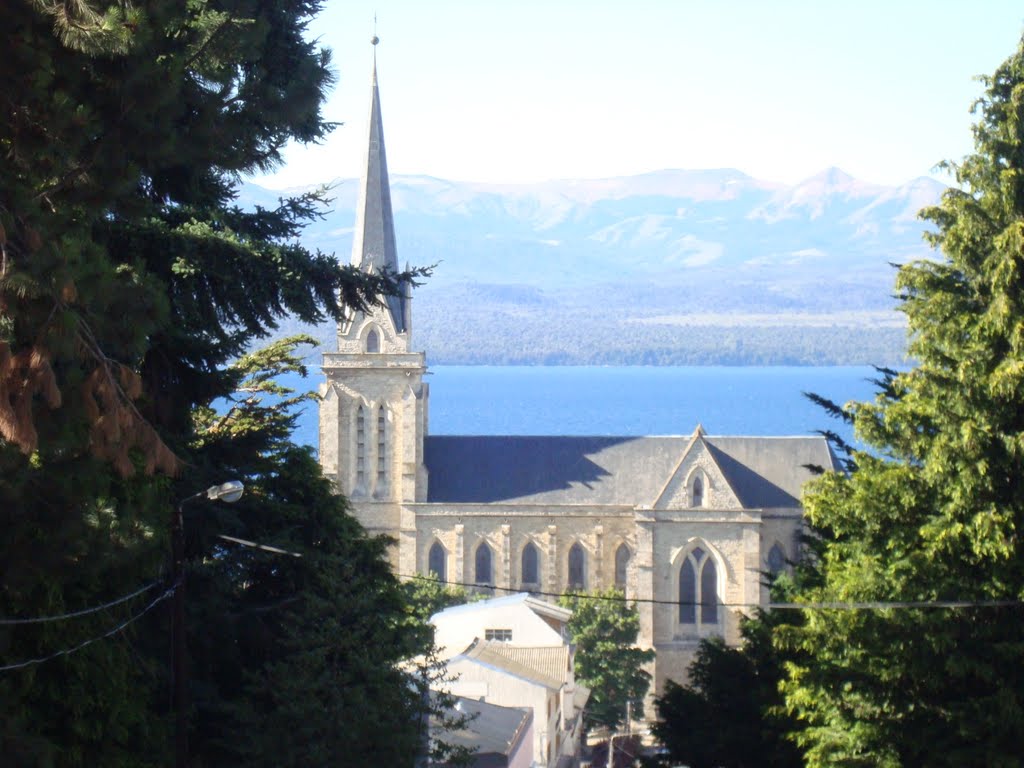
x: 229, y: 492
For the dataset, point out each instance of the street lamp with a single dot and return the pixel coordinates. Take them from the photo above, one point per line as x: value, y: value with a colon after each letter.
x: 228, y: 492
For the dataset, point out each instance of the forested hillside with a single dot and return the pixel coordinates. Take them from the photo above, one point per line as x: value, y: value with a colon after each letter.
x: 673, y: 267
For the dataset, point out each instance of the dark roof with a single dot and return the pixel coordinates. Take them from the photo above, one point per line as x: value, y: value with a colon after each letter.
x: 765, y: 472
x: 490, y: 730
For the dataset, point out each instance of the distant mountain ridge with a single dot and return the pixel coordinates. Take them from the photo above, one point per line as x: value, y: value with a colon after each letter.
x: 626, y: 251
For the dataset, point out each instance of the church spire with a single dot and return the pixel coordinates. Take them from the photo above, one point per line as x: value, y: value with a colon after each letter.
x: 373, y: 242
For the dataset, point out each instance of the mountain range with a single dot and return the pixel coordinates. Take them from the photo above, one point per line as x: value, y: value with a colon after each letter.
x: 673, y: 266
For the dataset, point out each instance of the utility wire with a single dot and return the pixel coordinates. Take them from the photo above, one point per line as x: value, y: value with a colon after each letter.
x: 110, y: 633
x: 83, y: 612
x: 850, y: 605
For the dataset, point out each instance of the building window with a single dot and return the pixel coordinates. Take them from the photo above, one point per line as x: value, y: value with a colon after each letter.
x: 499, y: 635
x: 483, y: 564
x: 776, y: 560
x: 698, y: 491
x: 360, y: 447
x: 577, y: 568
x: 698, y: 586
x: 372, y: 341
x: 530, y: 570
x: 437, y: 560
x: 382, y: 449
x: 621, y: 565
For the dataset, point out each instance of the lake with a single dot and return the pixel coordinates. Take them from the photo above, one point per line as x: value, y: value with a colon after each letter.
x: 640, y: 400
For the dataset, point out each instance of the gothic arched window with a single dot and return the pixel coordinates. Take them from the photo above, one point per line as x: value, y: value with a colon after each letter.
x: 373, y: 341
x: 621, y: 565
x: 577, y: 567
x: 436, y: 561
x: 482, y: 574
x: 382, y: 447
x: 776, y: 560
x: 698, y: 585
x: 530, y: 572
x: 360, y: 447
x: 698, y: 492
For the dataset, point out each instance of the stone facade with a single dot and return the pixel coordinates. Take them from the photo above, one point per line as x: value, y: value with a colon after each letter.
x: 686, y: 525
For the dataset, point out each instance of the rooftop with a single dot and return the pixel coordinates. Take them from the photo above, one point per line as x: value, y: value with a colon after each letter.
x: 547, y: 666
x: 764, y: 472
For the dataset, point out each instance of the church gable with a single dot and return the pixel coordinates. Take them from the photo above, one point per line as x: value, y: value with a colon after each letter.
x: 370, y: 333
x: 698, y: 481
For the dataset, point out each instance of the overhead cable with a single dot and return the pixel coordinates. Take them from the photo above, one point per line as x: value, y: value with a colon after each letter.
x: 83, y: 612
x: 838, y: 605
x: 110, y: 633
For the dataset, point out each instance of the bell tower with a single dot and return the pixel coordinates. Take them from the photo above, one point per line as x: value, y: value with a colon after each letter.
x: 373, y: 412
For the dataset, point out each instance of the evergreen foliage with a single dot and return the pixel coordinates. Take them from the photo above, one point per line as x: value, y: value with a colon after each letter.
x: 730, y: 714
x: 296, y: 660
x: 604, y: 627
x: 934, y: 511
x: 129, y: 280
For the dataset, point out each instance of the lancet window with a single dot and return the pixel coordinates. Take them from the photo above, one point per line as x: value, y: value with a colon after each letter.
x: 361, y: 447
x: 698, y: 588
x: 698, y: 491
x: 483, y: 573
x: 437, y: 561
x: 577, y: 567
x: 382, y: 447
x: 621, y: 566
x: 776, y: 560
x: 530, y: 561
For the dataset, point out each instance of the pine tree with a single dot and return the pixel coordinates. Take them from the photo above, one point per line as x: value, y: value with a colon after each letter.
x: 129, y: 279
x: 935, y: 508
x: 297, y: 660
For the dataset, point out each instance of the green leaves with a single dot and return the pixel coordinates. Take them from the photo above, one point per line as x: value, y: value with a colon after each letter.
x: 935, y: 510
x: 604, y: 627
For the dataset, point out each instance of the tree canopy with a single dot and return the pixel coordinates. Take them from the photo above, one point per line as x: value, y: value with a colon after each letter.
x: 935, y: 507
x: 604, y: 627
x: 129, y: 282
x: 729, y: 713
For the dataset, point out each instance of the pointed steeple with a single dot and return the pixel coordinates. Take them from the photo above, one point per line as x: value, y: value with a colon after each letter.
x: 373, y: 242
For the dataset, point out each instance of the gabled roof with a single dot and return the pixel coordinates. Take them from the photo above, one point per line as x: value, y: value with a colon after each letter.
x: 540, y: 607
x: 676, y: 494
x: 543, y: 666
x: 764, y: 472
x: 373, y: 241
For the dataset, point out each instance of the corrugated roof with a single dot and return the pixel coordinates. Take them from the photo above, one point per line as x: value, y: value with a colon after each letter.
x: 765, y: 472
x: 545, y: 666
x: 490, y: 729
x: 550, y: 661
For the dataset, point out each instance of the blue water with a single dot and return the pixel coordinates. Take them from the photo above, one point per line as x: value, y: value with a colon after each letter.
x: 567, y: 400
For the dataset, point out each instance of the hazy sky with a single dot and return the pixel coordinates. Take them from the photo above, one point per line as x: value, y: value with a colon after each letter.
x: 525, y: 90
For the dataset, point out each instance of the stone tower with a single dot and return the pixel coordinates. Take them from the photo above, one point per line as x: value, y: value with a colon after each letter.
x: 373, y: 416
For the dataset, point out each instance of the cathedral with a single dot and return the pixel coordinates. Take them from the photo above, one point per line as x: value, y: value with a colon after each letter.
x: 688, y: 526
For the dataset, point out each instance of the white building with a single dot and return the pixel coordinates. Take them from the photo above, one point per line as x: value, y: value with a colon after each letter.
x: 511, y: 651
x: 517, y: 619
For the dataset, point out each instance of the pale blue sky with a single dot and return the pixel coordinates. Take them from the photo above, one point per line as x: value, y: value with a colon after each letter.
x: 481, y: 90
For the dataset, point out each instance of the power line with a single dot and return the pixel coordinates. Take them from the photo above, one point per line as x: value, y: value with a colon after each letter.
x: 847, y: 605
x: 110, y: 633
x: 83, y: 612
